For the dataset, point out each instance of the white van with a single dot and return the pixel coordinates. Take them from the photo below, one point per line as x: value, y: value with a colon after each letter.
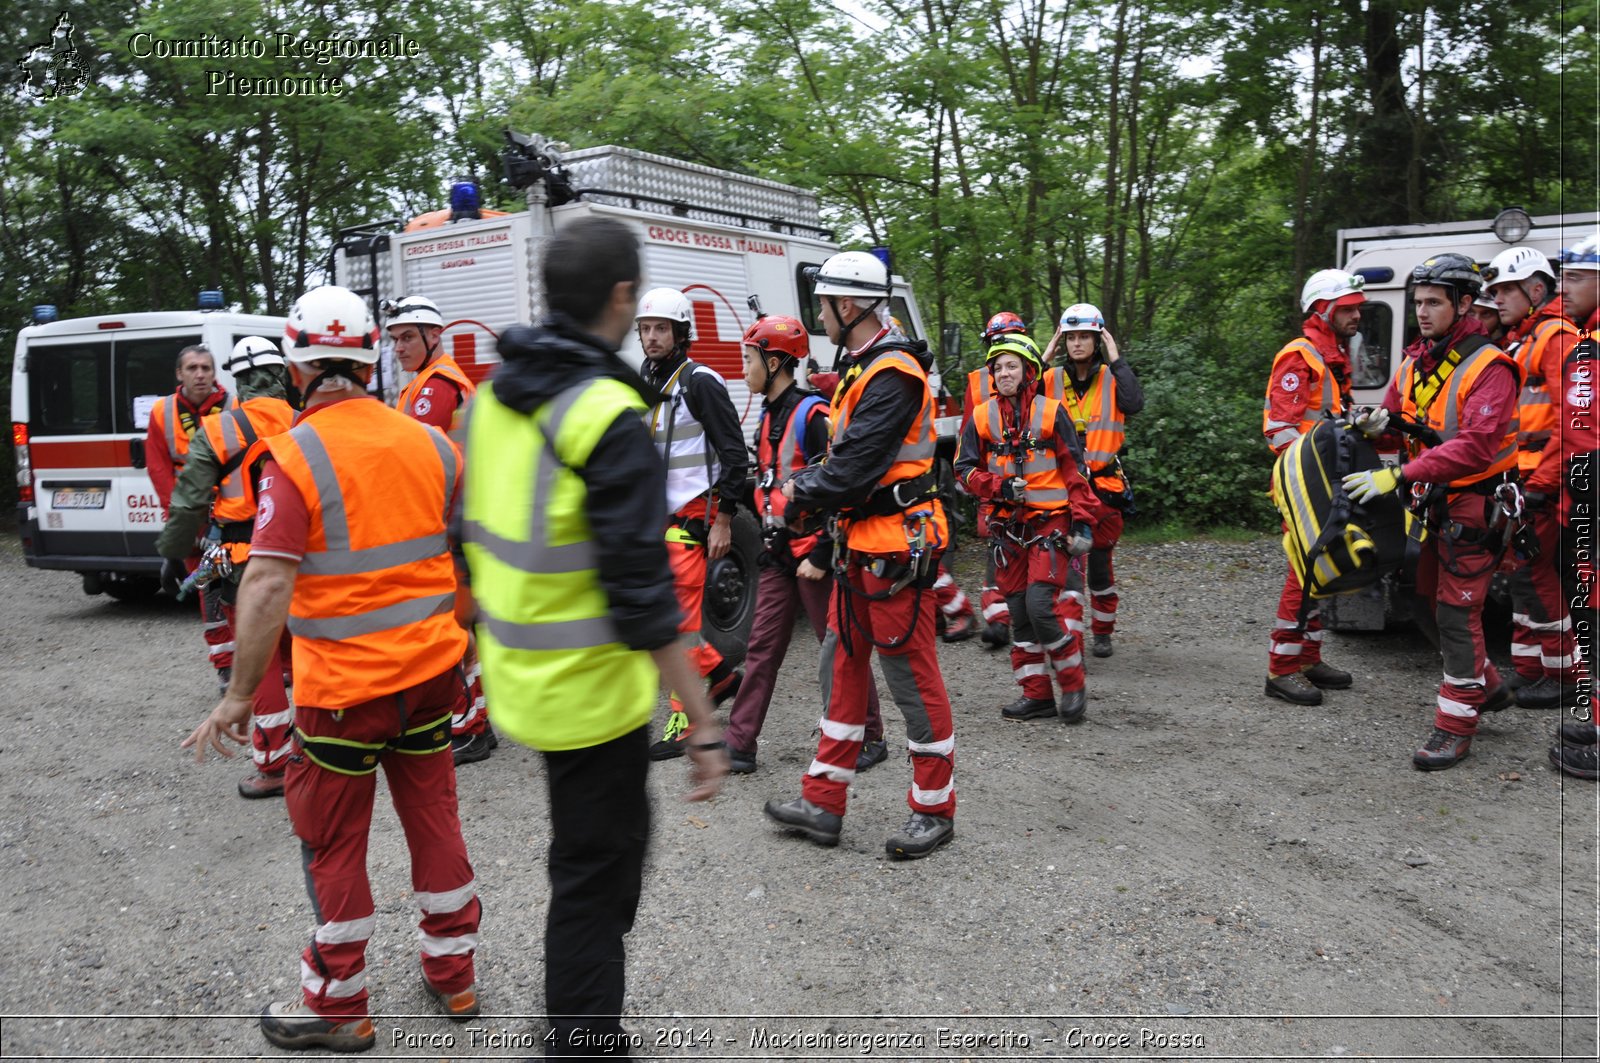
x: 81, y: 394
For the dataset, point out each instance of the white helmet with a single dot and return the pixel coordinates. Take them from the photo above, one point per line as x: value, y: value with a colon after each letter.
x: 1486, y: 302
x: 667, y: 303
x: 252, y: 352
x: 1330, y: 285
x: 1516, y: 264
x: 330, y: 322
x: 852, y: 273
x: 1082, y: 317
x: 412, y: 310
x: 1585, y: 255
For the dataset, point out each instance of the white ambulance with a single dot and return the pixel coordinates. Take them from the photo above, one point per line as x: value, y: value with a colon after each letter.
x: 719, y: 237
x: 81, y: 394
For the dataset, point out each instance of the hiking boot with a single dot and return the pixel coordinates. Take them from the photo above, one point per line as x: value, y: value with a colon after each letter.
x: 1293, y: 687
x: 1102, y: 646
x: 741, y: 761
x: 292, y: 1025
x: 224, y: 677
x: 261, y: 784
x: 921, y: 835
x: 458, y: 1006
x: 1325, y: 676
x: 1026, y: 708
x: 874, y: 752
x: 469, y: 749
x: 1074, y: 706
x: 961, y: 628
x: 1545, y: 694
x: 1516, y: 680
x: 805, y: 817
x: 1442, y: 750
x: 725, y: 688
x: 996, y: 635
x: 674, y: 738
x: 1582, y: 762
x: 1579, y: 733
x: 1497, y: 699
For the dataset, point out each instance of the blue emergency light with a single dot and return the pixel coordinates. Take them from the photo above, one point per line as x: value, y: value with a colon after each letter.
x: 882, y: 255
x: 1376, y: 274
x: 211, y: 299
x: 464, y: 199
x: 44, y: 313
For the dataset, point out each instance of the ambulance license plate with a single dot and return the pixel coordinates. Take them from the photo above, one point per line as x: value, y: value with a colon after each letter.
x: 78, y: 498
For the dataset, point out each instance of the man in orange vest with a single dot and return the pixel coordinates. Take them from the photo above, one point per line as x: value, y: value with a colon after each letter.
x: 351, y: 547
x: 1539, y: 336
x: 1021, y: 453
x: 173, y: 424
x: 1310, y: 380
x: 881, y: 482
x: 217, y: 478
x: 437, y: 395
x: 1099, y: 390
x: 1463, y: 388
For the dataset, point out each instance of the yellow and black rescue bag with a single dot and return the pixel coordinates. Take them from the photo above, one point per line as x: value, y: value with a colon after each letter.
x: 1337, y: 545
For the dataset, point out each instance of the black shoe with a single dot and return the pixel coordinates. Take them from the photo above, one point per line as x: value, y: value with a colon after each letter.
x: 874, y: 752
x: 921, y: 835
x: 961, y: 628
x: 1579, y: 733
x: 741, y: 762
x: 1074, y: 706
x: 494, y: 739
x: 469, y: 749
x: 1498, y: 698
x: 1102, y: 646
x: 805, y: 817
x: 1026, y: 708
x: 1325, y: 676
x: 674, y: 740
x: 725, y: 688
x: 1442, y: 750
x: 1583, y: 762
x: 1516, y: 680
x: 292, y: 1025
x: 1545, y: 694
x: 996, y: 635
x: 259, y: 784
x: 1293, y: 687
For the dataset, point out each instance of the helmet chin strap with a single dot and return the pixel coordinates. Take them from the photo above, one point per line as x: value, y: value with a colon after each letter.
x: 844, y: 333
x: 346, y: 370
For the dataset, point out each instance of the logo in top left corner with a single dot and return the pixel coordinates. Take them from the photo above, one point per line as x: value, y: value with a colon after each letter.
x: 54, y: 68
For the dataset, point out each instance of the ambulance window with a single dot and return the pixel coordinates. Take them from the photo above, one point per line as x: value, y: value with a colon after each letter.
x: 69, y: 389
x: 810, y: 305
x: 902, y: 314
x: 1370, y: 348
x: 146, y: 367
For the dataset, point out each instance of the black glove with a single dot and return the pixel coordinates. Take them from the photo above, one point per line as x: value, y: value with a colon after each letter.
x: 173, y: 573
x: 1532, y: 500
x: 1012, y: 487
x: 1082, y: 540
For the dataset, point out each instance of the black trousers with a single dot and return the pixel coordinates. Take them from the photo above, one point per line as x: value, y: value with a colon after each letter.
x: 600, y: 824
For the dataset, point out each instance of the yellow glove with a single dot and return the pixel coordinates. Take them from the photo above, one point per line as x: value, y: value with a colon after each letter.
x: 1373, y: 483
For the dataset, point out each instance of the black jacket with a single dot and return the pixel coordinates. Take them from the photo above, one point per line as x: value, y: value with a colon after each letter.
x: 712, y: 407
x: 863, y: 453
x: 540, y: 363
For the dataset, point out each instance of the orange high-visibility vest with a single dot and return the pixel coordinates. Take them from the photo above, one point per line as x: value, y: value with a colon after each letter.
x: 774, y: 465
x: 373, y: 603
x: 443, y: 365
x: 1536, y: 410
x: 1046, y: 489
x: 236, y: 432
x: 1443, y: 406
x: 1101, y: 426
x: 887, y: 534
x: 168, y: 422
x: 1331, y: 399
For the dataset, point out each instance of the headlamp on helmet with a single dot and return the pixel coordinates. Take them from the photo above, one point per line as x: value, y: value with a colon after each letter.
x: 1457, y: 273
x: 1082, y: 317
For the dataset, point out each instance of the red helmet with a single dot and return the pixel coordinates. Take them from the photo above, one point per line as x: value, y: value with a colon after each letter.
x: 779, y: 334
x: 1001, y: 324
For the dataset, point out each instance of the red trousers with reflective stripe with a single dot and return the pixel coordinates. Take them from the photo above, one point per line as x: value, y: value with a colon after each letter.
x: 1542, y: 641
x: 1037, y: 639
x: 1290, y: 650
x: 689, y: 583
x: 332, y: 813
x: 1102, y: 572
x: 1458, y: 599
x: 216, y: 621
x: 474, y: 718
x: 272, y: 720
x: 952, y: 600
x: 996, y: 610
x: 902, y: 626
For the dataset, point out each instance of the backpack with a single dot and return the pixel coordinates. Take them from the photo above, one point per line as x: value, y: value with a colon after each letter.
x: 1337, y: 545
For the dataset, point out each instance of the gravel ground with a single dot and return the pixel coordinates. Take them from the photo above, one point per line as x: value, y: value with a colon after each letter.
x: 1194, y: 872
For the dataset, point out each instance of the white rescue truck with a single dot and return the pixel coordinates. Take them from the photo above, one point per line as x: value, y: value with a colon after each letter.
x: 81, y: 394
x: 1384, y: 257
x: 727, y: 241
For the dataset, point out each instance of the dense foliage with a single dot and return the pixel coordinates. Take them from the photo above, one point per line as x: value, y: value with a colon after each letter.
x: 1183, y: 165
